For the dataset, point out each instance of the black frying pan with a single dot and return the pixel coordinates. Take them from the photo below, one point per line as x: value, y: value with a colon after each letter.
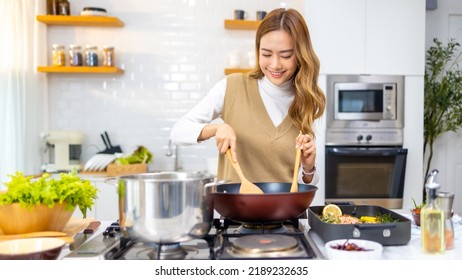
x: 277, y: 204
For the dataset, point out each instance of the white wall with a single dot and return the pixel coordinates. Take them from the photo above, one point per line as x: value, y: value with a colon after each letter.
x: 172, y: 52
x: 445, y: 23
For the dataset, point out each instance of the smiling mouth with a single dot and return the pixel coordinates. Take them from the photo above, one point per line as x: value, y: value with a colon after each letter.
x: 276, y: 74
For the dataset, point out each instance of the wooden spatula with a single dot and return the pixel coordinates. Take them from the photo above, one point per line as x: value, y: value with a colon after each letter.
x: 247, y: 187
x: 294, y: 187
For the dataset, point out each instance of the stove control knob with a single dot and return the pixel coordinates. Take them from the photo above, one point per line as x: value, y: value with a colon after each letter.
x: 368, y: 138
x: 359, y: 138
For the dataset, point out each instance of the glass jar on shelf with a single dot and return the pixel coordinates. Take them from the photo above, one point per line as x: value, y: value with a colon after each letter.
x: 58, y: 55
x: 64, y: 8
x: 108, y: 56
x: 75, y: 55
x: 91, y: 55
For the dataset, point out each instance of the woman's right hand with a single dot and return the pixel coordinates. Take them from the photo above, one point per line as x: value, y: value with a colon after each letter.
x: 225, y: 138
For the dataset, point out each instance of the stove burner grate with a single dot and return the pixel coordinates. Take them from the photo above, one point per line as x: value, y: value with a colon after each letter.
x: 264, y: 244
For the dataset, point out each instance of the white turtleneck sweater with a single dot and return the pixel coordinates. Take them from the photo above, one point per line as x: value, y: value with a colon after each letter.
x: 277, y: 100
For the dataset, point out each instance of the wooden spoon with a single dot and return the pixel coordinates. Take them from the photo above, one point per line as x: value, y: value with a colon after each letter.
x: 294, y: 187
x: 247, y: 187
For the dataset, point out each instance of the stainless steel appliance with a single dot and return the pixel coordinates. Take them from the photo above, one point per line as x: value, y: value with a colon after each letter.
x: 226, y: 240
x: 365, y: 158
x: 374, y: 101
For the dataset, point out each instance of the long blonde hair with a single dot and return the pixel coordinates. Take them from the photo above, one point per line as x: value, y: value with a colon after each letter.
x: 309, y: 102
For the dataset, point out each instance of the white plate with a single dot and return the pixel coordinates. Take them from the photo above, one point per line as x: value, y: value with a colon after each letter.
x: 99, y: 162
x: 373, y: 250
x: 89, y: 163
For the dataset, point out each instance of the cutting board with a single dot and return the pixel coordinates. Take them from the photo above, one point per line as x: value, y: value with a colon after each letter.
x: 76, y: 225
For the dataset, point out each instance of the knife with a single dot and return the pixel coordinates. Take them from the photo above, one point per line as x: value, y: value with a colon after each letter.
x: 81, y: 237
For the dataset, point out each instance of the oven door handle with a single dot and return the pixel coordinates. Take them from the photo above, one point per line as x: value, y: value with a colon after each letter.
x: 368, y: 151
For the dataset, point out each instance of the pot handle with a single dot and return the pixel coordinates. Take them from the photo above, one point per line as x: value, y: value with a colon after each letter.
x: 111, y: 181
x: 215, y: 183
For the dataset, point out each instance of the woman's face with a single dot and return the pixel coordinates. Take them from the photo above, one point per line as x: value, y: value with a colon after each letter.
x: 277, y: 56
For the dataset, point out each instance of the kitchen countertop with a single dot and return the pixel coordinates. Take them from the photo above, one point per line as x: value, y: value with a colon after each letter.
x: 411, y: 251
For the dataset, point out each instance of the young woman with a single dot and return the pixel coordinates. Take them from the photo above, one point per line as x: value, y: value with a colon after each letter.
x: 267, y: 113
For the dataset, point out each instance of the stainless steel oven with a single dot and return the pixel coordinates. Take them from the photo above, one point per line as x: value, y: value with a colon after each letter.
x: 365, y: 158
x: 366, y: 175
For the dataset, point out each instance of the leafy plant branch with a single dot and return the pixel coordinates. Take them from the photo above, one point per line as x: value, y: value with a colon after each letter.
x: 443, y: 94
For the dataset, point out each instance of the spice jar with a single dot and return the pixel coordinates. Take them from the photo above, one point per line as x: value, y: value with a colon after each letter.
x: 64, y: 8
x: 108, y: 56
x: 91, y: 55
x: 58, y: 55
x: 52, y: 7
x: 75, y: 55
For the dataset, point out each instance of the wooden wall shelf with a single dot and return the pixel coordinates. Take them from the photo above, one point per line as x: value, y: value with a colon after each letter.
x: 242, y: 24
x: 81, y: 20
x: 237, y: 70
x: 80, y: 69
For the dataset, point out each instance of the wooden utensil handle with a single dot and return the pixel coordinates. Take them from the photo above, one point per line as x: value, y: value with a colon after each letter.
x: 236, y: 166
x: 294, y: 187
x: 92, y: 227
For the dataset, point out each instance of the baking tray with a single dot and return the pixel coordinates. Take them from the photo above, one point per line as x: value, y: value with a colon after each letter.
x: 387, y: 234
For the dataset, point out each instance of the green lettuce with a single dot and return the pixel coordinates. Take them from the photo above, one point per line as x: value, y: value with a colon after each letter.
x: 68, y: 189
x: 140, y: 155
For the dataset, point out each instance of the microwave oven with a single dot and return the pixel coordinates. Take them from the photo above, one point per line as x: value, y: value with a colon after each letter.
x: 372, y: 101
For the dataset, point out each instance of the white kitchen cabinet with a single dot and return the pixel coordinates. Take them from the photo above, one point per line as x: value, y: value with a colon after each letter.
x: 368, y: 36
x: 337, y: 33
x: 395, y: 37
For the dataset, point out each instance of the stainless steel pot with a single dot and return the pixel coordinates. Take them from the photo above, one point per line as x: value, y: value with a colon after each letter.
x: 165, y: 207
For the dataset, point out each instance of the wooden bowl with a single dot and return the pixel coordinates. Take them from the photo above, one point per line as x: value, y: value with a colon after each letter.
x: 15, y: 219
x: 31, y: 249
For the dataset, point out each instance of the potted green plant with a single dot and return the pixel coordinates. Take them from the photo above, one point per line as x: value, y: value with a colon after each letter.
x: 416, y: 212
x: 443, y: 94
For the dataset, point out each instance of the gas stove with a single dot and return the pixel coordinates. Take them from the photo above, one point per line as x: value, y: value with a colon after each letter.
x: 226, y: 240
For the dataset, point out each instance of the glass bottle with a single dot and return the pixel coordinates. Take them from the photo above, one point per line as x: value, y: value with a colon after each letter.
x: 75, y: 55
x: 91, y: 56
x: 445, y: 201
x: 108, y: 56
x: 58, y: 55
x: 432, y: 222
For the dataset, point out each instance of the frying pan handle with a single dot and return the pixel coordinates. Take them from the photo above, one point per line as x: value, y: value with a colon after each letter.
x: 215, y: 183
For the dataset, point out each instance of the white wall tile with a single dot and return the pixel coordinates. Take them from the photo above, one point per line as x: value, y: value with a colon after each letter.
x: 172, y: 52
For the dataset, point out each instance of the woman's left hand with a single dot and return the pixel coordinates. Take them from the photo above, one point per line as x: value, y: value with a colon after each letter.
x: 306, y: 144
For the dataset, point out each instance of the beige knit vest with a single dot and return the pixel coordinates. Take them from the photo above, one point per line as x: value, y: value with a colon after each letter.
x: 265, y: 153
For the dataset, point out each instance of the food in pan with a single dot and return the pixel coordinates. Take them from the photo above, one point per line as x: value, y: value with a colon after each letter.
x: 331, y: 210
x: 332, y: 214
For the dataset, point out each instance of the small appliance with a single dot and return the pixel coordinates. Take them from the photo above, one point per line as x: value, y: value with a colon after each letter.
x: 64, y: 148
